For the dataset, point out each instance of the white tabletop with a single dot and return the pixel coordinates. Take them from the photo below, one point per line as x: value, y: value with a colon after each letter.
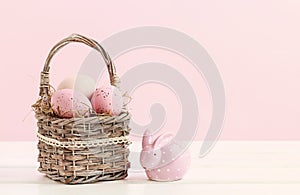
x: 231, y: 168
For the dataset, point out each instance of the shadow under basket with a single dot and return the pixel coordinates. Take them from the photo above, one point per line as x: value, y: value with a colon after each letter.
x: 85, y: 149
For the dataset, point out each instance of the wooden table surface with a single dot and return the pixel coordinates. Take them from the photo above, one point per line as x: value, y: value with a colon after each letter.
x: 235, y: 167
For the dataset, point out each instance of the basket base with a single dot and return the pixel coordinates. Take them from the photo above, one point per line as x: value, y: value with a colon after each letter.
x: 85, y: 180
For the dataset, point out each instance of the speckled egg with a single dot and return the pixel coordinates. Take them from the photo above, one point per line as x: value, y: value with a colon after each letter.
x: 82, y: 83
x: 68, y: 103
x: 107, y: 99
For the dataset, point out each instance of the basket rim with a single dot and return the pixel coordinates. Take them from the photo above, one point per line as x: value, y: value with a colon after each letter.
x: 100, y: 117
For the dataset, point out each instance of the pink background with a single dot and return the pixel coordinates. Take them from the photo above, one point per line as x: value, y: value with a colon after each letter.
x: 255, y: 44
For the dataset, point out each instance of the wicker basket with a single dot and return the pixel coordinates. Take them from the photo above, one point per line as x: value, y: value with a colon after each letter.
x: 81, y: 150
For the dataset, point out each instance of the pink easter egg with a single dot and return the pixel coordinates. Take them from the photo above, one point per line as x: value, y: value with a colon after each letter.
x: 107, y: 99
x: 68, y: 103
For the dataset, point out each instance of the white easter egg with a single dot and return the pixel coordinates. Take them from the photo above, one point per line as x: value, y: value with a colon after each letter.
x: 82, y: 83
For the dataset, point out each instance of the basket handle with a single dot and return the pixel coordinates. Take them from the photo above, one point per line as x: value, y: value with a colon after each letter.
x: 44, y: 81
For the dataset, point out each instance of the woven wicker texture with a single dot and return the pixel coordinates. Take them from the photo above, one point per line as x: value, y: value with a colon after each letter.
x: 81, y: 150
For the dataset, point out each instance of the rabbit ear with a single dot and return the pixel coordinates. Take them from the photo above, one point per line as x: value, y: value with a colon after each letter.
x: 162, y: 140
x: 147, y: 139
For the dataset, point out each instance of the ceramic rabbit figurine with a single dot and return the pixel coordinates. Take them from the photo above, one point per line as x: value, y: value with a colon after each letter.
x: 160, y: 158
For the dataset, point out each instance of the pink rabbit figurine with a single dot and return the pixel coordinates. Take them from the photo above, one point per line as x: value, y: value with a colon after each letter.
x: 160, y: 158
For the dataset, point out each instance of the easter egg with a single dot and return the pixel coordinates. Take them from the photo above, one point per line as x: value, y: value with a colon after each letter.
x: 82, y: 83
x: 107, y: 99
x: 68, y: 103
